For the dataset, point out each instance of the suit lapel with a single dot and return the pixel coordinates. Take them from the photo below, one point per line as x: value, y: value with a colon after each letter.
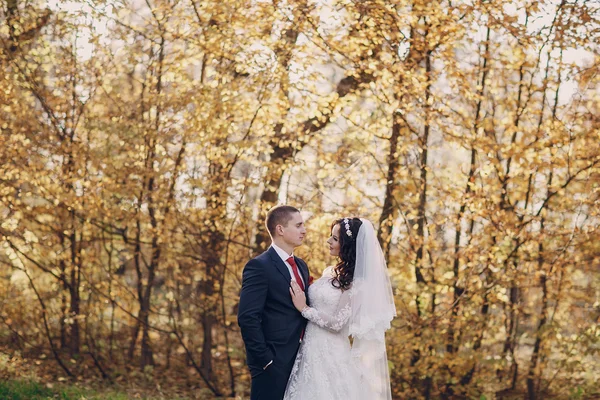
x: 281, y: 267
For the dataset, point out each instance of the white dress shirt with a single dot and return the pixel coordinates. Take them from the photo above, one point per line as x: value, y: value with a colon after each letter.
x: 284, y: 256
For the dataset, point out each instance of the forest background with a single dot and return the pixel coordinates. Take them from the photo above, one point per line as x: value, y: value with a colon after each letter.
x: 143, y: 141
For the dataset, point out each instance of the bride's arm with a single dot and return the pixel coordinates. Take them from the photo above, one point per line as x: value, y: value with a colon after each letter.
x: 334, y: 322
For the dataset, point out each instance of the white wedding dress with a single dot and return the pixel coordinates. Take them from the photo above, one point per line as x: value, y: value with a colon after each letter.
x: 324, y: 368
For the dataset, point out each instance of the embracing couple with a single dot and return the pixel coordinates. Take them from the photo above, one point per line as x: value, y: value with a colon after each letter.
x: 297, y: 333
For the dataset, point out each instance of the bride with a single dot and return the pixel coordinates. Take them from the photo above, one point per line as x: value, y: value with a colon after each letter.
x: 352, y: 299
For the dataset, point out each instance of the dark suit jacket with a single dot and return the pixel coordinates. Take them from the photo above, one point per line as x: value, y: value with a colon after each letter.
x: 270, y: 324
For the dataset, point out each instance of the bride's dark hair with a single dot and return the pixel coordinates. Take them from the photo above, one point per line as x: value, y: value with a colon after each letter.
x: 345, y: 268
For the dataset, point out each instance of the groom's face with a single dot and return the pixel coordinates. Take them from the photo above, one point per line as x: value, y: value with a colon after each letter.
x: 294, y: 231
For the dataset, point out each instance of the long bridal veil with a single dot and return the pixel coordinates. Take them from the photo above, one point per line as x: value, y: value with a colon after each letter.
x: 373, y: 309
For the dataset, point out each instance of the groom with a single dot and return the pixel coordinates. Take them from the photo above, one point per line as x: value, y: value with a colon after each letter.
x: 270, y: 324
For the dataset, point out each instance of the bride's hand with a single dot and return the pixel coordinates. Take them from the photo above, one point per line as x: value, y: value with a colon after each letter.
x: 298, y: 296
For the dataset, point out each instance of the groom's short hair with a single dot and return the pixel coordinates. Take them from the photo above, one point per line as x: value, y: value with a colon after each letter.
x: 279, y: 215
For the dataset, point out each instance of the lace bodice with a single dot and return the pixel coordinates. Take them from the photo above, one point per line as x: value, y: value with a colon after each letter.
x: 330, y: 306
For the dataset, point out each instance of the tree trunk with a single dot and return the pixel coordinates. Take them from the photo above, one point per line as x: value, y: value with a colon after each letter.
x: 388, y: 212
x: 74, y: 310
x: 511, y: 333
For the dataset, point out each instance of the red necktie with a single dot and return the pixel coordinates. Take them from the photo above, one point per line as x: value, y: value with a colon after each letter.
x: 292, y: 262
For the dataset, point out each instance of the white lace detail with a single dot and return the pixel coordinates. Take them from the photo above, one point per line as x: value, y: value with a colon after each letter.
x: 334, y: 321
x: 324, y: 369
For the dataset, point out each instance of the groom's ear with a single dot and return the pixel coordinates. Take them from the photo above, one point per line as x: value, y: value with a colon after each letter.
x: 278, y: 229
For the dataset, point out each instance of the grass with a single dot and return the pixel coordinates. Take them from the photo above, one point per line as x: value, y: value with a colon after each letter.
x: 29, y: 390
x: 23, y: 390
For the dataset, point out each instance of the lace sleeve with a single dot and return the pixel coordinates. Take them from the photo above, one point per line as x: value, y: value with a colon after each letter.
x: 334, y: 322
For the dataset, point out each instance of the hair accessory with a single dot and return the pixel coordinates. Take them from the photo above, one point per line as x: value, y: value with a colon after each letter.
x: 347, y: 225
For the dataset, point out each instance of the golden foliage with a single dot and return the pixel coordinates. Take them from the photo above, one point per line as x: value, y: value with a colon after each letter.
x: 141, y: 142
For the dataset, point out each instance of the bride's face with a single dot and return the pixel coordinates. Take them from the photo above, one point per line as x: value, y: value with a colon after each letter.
x: 334, y: 241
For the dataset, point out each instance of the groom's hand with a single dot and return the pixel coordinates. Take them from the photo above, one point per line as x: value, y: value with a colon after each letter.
x: 298, y: 296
